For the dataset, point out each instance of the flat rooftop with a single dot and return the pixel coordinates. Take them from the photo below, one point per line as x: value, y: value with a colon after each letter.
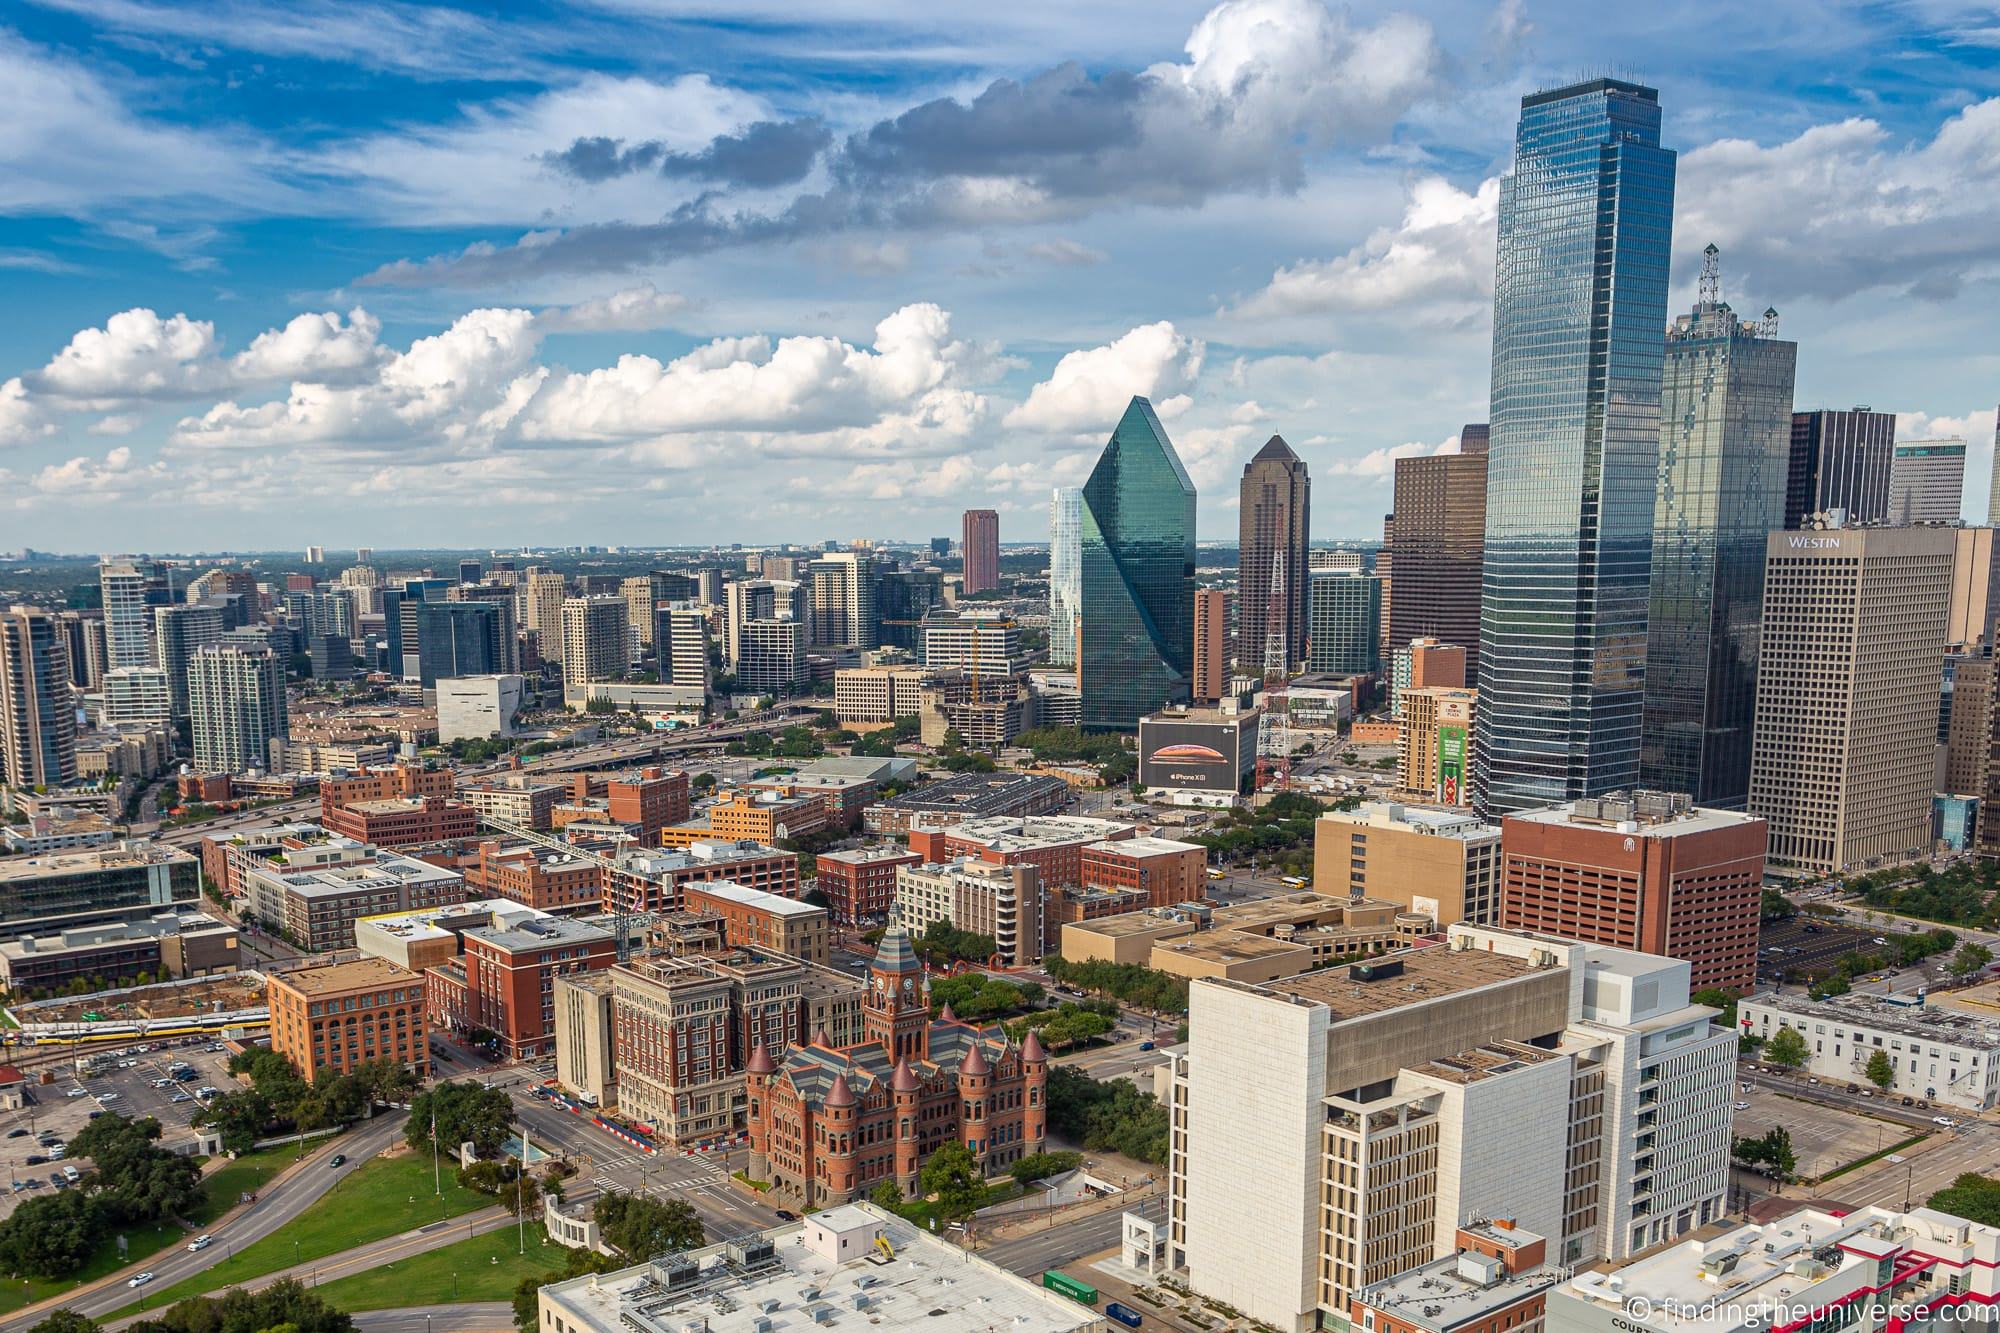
x: 1451, y: 1292
x: 776, y: 904
x: 1392, y: 815
x: 435, y: 922
x: 86, y: 860
x: 861, y: 856
x: 1145, y: 845
x: 537, y: 933
x: 1928, y: 1022
x: 1429, y: 973
x: 1695, y: 819
x: 339, y: 978
x: 926, y: 1283
x: 1485, y: 1062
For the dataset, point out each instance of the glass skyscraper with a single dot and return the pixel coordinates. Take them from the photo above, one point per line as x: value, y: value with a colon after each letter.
x: 1346, y: 615
x: 1580, y: 297
x: 1725, y: 437
x: 1065, y: 572
x: 1135, y: 649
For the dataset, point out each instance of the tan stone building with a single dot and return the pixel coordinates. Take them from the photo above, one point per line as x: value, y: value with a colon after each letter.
x: 1250, y: 942
x: 1434, y: 748
x: 1002, y: 901
x: 1441, y: 863
x: 1843, y: 763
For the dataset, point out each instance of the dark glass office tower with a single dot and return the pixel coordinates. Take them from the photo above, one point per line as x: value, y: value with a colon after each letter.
x: 1841, y: 460
x: 1136, y: 649
x: 1725, y: 434
x: 458, y: 639
x: 1580, y: 297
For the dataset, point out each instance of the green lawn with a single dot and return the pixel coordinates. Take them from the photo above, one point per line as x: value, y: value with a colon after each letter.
x: 247, y: 1174
x: 485, y: 1268
x: 381, y: 1198
x: 144, y: 1242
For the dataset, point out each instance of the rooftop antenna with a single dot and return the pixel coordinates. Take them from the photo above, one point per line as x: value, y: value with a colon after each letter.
x: 1711, y: 275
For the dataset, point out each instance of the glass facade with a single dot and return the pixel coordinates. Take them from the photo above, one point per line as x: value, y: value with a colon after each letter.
x: 1065, y: 572
x: 1135, y: 648
x: 1580, y: 297
x: 1346, y: 613
x: 1725, y: 433
x: 458, y: 639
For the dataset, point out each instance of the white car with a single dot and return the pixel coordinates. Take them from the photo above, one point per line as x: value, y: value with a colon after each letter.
x: 106, y: 1098
x: 200, y: 1243
x: 1743, y: 1106
x: 139, y: 1281
x: 77, y: 1092
x: 1944, y: 1120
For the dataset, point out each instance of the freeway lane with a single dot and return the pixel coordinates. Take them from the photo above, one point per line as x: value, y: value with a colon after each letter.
x: 278, y: 1203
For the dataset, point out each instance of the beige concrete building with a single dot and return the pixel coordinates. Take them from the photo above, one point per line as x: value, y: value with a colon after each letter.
x: 1333, y: 1130
x: 1844, y: 757
x: 1440, y: 863
x: 1252, y: 942
x: 1973, y: 588
x: 1434, y: 749
x: 584, y: 1062
x: 596, y: 639
x: 1003, y: 901
x: 1968, y: 742
x: 542, y: 598
x: 870, y: 697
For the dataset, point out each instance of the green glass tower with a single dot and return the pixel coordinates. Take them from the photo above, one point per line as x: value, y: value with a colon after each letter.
x: 1135, y: 651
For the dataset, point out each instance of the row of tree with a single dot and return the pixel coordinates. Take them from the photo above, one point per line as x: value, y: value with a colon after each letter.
x: 1113, y: 1116
x: 283, y: 1307
x: 1128, y: 983
x: 278, y: 1096
x: 133, y: 1182
x: 979, y: 998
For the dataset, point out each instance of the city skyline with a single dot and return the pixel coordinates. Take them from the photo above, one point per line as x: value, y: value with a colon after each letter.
x: 462, y: 274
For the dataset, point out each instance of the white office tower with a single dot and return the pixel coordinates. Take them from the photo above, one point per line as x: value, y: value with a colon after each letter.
x: 1335, y: 1129
x: 684, y: 654
x: 131, y: 588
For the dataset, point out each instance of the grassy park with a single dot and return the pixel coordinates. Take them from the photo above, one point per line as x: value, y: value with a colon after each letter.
x: 484, y: 1268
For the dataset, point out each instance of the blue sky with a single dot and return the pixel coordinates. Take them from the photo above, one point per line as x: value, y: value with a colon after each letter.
x: 659, y: 271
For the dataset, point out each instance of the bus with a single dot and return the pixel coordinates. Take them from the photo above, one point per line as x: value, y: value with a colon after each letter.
x: 1293, y: 881
x: 1065, y: 1285
x: 1216, y: 873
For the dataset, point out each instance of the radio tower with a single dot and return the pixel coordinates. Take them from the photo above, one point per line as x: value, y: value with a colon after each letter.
x: 1277, y: 729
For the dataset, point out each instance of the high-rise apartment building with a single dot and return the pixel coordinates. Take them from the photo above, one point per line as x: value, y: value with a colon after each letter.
x: 1274, y: 525
x: 1423, y: 663
x: 89, y: 658
x: 136, y: 696
x: 594, y: 638
x: 1844, y: 759
x: 1840, y: 460
x: 1725, y: 429
x: 1927, y: 481
x: 843, y: 601
x: 640, y: 607
x: 542, y: 596
x: 37, y: 708
x: 1644, y: 870
x: 771, y: 656
x: 1332, y: 1130
x: 1346, y: 623
x: 681, y: 638
x: 131, y: 589
x: 982, y: 550
x: 179, y: 632
x: 1065, y: 573
x: 236, y: 696
x: 1438, y: 547
x: 1211, y: 645
x: 1580, y: 297
x: 1136, y: 646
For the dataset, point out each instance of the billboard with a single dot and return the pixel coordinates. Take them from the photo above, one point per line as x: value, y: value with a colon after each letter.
x: 1451, y: 762
x: 1218, y: 756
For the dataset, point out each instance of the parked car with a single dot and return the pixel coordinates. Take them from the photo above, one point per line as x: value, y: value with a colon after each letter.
x: 35, y: 1159
x: 1743, y: 1106
x: 16, y: 1133
x: 77, y: 1092
x: 181, y: 1097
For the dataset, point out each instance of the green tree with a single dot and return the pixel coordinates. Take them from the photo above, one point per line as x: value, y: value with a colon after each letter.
x: 1971, y: 956
x: 1881, y: 1070
x: 465, y: 1113
x: 1974, y: 1197
x: 51, y: 1235
x: 66, y: 1321
x: 1041, y: 1165
x: 887, y: 1196
x: 952, y: 1174
x: 239, y: 1117
x: 135, y: 1178
x: 640, y: 1228
x: 283, y: 1307
x: 1787, y: 1048
x: 1717, y: 998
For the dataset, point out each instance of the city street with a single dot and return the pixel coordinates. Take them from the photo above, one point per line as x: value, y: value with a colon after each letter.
x: 1067, y: 1242
x: 474, y: 1317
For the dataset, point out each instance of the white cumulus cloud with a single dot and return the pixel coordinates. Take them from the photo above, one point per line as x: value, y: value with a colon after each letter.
x: 630, y: 310
x: 20, y: 420
x: 1089, y: 388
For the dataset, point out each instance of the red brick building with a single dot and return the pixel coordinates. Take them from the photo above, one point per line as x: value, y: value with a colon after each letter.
x: 535, y: 876
x: 1640, y: 870
x: 656, y: 881
x: 504, y: 982
x: 1053, y: 844
x: 403, y: 822
x: 829, y: 1123
x: 763, y: 920
x: 860, y: 883
x: 1167, y: 872
x: 651, y: 798
x: 400, y: 781
x: 348, y: 1014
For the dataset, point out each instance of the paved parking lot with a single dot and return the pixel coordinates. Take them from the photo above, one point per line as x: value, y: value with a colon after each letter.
x: 54, y: 1109
x: 1824, y: 1137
